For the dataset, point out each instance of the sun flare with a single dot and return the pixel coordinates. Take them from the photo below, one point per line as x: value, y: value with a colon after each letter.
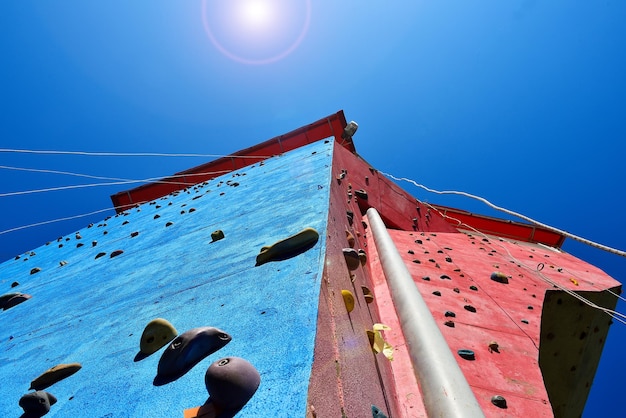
x: 256, y: 31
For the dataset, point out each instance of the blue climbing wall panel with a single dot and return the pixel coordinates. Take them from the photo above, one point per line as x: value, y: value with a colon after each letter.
x: 93, y: 310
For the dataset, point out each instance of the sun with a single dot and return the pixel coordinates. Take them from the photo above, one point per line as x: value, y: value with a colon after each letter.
x: 256, y: 31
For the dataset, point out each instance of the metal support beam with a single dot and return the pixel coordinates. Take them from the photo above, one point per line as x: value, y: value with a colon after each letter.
x: 445, y: 390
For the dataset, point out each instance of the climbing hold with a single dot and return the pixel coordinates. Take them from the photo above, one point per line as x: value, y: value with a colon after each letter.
x: 352, y: 258
x: 448, y: 259
x: 94, y: 243
x: 499, y: 401
x: 418, y: 241
x: 80, y: 244
x: 499, y: 277
x: 456, y: 290
x: 53, y: 375
x: 367, y: 294
x: 426, y: 278
x: 525, y: 321
x: 361, y: 194
x: 449, y: 324
x: 493, y: 346
x: 348, y: 299
x: 350, y: 216
x: 134, y: 234
x: 350, y: 238
x: 100, y: 255
x: 116, y: 253
x: 37, y: 404
x: 169, y: 224
x: 377, y: 413
x: 187, y: 350
x: 474, y: 288
x: 155, y: 335
x: 445, y: 277
x: 449, y: 314
x: 231, y: 383
x: 217, y: 235
x: 35, y: 270
x: 467, y: 354
x: 15, y: 284
x: 16, y: 299
x: 437, y: 293
x: 157, y: 216
x: 362, y: 257
x: 288, y: 247
x: 469, y: 308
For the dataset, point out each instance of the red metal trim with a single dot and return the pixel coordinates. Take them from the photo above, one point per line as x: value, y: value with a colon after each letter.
x: 503, y: 228
x: 330, y: 126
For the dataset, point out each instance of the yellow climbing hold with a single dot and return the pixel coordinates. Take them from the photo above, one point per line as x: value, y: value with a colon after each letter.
x: 378, y: 343
x: 574, y: 281
x: 157, y: 334
x: 53, y: 375
x: 288, y: 247
x: 348, y: 299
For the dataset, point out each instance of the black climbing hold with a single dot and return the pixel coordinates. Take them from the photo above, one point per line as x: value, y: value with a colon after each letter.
x: 418, y: 241
x: 499, y: 401
x: 450, y: 314
x: 445, y: 277
x: 80, y: 244
x: 62, y: 263
x: 525, y: 321
x: 469, y: 308
x: 157, y: 216
x: 350, y: 216
x: 474, y: 288
x: 15, y: 300
x: 37, y: 404
x: 116, y: 253
x: 125, y: 222
x: 35, y: 270
x: 416, y: 261
x: 6, y: 297
x: 426, y: 278
x: 100, y: 255
x: 134, y: 234
x: 352, y: 258
x: 437, y: 293
x: 231, y: 383
x: 361, y: 194
x: 449, y: 324
x: 499, y: 277
x: 192, y: 210
x: 15, y: 284
x: 456, y: 290
x: 187, y: 350
x: 94, y: 243
x: 217, y: 235
x: 411, y: 252
x: 467, y: 354
x: 169, y: 224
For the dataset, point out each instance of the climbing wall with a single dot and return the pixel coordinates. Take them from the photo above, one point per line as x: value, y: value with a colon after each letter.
x: 490, y: 297
x: 93, y: 291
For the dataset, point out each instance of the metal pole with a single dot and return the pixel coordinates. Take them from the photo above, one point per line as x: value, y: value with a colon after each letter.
x: 445, y: 390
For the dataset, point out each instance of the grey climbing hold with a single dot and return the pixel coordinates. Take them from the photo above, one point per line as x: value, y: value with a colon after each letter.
x: 499, y: 401
x: 231, y: 383
x: 37, y: 404
x: 467, y: 354
x: 187, y: 350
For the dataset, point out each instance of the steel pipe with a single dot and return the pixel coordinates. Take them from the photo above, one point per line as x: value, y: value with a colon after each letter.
x: 445, y: 390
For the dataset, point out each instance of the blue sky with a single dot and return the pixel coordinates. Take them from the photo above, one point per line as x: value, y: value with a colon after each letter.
x: 518, y: 101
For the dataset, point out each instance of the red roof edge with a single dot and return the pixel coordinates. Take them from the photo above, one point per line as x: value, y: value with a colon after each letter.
x: 502, y: 228
x: 330, y: 126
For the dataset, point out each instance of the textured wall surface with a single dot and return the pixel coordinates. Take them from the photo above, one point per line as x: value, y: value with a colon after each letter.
x: 93, y: 310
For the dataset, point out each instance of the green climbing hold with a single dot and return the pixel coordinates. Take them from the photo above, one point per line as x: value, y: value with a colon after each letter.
x: 289, y: 247
x: 53, y: 375
x: 158, y: 333
x: 217, y: 235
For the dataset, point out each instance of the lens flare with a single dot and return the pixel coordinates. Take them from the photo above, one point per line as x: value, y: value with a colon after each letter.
x: 256, y: 31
